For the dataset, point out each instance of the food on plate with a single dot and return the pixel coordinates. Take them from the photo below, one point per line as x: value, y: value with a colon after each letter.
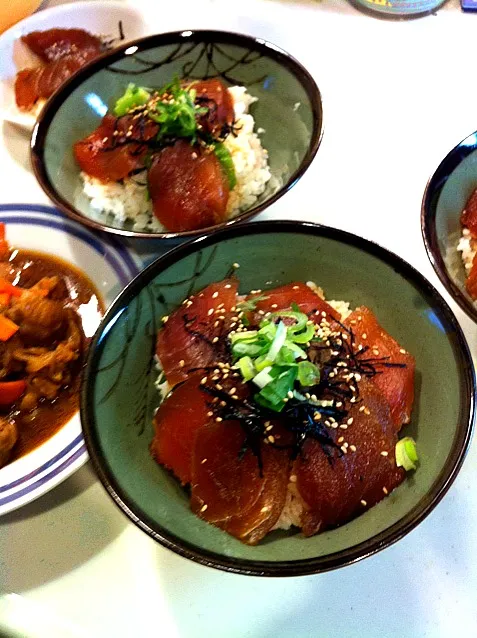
x: 280, y: 408
x: 468, y: 243
x: 60, y: 53
x: 48, y: 312
x: 178, y: 158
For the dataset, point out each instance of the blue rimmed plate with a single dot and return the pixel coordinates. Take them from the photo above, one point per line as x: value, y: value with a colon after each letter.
x: 110, y: 266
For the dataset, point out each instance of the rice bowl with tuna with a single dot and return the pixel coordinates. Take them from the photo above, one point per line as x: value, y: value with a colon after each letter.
x: 182, y: 157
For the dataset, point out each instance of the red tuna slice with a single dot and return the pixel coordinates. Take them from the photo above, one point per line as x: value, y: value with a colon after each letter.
x: 56, y: 43
x: 176, y: 423
x: 283, y: 297
x: 96, y: 156
x: 188, y: 187
x: 252, y: 526
x: 225, y: 483
x: 468, y: 217
x: 186, y: 340
x: 336, y: 490
x: 397, y: 384
x: 214, y: 95
x: 32, y: 85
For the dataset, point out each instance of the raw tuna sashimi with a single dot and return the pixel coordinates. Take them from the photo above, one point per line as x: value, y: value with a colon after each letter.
x: 468, y: 217
x: 396, y: 383
x: 337, y: 486
x: 213, y: 95
x: 283, y: 297
x: 56, y: 43
x: 188, y: 187
x: 194, y: 335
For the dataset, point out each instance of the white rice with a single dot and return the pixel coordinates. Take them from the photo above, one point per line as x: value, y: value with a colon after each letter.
x: 468, y: 247
x: 127, y: 201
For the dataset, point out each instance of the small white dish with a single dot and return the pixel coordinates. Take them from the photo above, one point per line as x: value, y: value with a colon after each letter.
x: 110, y: 266
x: 99, y: 18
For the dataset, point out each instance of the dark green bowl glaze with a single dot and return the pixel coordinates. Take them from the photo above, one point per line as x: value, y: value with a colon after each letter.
x: 444, y: 200
x: 118, y: 394
x: 289, y: 110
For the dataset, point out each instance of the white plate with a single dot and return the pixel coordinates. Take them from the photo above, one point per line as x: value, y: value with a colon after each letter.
x: 100, y: 18
x: 110, y: 266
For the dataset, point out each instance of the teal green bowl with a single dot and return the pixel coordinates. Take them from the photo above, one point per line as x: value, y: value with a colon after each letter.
x: 444, y: 200
x: 119, y: 397
x: 289, y: 110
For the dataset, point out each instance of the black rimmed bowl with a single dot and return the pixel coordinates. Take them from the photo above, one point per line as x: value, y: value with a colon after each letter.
x: 444, y: 200
x: 119, y: 396
x: 288, y: 113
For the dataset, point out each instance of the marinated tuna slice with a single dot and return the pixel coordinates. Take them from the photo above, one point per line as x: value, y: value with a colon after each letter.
x: 396, y: 383
x: 213, y: 95
x: 336, y: 485
x: 100, y: 158
x: 252, y: 526
x: 194, y: 334
x: 56, y: 43
x: 225, y: 481
x: 41, y: 82
x: 468, y: 217
x: 176, y: 423
x: 188, y: 187
x: 283, y: 297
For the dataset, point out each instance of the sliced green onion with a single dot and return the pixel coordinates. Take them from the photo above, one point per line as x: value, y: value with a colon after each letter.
x: 299, y: 352
x: 262, y: 362
x: 406, y: 453
x: 278, y: 341
x: 132, y: 97
x: 277, y: 390
x: 263, y: 378
x: 243, y: 336
x: 299, y: 318
x: 246, y: 367
x: 268, y: 331
x: 244, y: 349
x: 305, y: 336
x: 308, y: 373
x: 285, y: 357
x: 226, y: 162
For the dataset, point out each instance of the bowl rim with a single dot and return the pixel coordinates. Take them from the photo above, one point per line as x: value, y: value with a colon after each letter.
x: 320, y: 564
x: 42, y: 126
x: 430, y: 199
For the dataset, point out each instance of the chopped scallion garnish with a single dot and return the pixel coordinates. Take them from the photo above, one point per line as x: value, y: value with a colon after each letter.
x: 406, y: 453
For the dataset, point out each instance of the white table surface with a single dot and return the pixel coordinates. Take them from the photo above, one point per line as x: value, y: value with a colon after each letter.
x: 397, y: 97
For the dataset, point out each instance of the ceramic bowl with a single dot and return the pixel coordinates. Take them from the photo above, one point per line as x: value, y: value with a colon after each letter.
x: 99, y: 17
x: 444, y: 200
x: 288, y: 110
x: 119, y: 396
x: 110, y: 266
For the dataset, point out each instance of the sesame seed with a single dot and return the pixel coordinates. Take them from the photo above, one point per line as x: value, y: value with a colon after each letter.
x: 274, y: 305
x: 360, y: 317
x: 366, y: 411
x: 181, y: 363
x: 285, y: 400
x: 384, y: 453
x: 352, y: 448
x: 223, y: 404
x: 210, y: 312
x: 215, y: 295
x: 328, y: 423
x: 317, y: 416
x: 343, y: 449
x: 350, y: 420
x: 357, y: 376
x: 265, y: 509
x: 203, y: 381
x: 203, y: 508
x: 165, y: 318
x: 307, y: 395
x: 364, y: 335
x: 296, y: 287
x: 210, y: 413
x: 293, y: 478
x: 363, y: 503
x: 375, y: 351
x: 203, y: 461
x: 385, y: 491
x: 323, y: 313
x: 261, y: 312
x: 402, y: 351
x: 343, y: 426
x: 236, y: 265
x: 218, y: 386
x: 233, y: 391
x: 271, y: 438
x: 331, y: 374
x: 222, y: 317
x: 362, y: 408
x: 219, y: 419
x: 215, y: 339
x: 290, y: 394
x: 235, y: 397
x: 228, y: 286
x: 339, y: 404
x: 216, y: 323
x: 334, y: 425
x: 341, y: 439
x: 314, y: 397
